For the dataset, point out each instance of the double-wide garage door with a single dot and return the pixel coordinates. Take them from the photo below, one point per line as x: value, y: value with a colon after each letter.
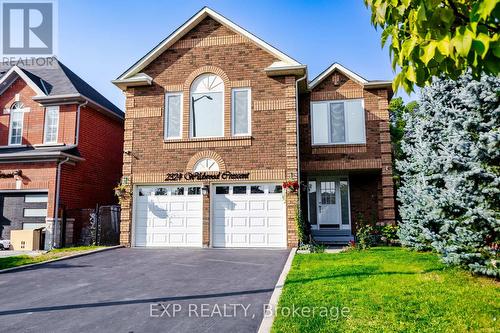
x: 243, y: 215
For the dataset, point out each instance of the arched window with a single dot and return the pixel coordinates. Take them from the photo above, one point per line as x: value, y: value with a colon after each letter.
x: 206, y: 164
x: 16, y: 123
x: 207, y: 106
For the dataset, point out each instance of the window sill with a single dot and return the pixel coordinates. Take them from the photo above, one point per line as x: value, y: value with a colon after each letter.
x: 343, y: 148
x: 232, y: 141
x: 13, y: 146
x: 46, y: 145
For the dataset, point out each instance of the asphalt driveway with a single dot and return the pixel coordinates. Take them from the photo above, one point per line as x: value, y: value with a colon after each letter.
x: 143, y: 290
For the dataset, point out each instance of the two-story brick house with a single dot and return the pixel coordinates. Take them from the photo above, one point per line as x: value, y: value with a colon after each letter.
x: 218, y: 119
x: 60, y: 141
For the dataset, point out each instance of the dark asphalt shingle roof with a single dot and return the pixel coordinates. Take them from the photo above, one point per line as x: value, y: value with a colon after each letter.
x: 57, y: 79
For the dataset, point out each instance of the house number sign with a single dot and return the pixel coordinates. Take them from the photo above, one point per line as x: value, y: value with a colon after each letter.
x: 176, y: 176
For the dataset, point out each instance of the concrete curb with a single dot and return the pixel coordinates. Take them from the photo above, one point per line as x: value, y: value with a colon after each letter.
x: 267, y: 322
x: 6, y: 270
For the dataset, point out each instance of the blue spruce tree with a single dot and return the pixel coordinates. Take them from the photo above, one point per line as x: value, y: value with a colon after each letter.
x: 450, y: 184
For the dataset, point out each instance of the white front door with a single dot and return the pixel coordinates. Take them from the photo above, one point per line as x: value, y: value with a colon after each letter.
x: 168, y: 216
x: 333, y: 204
x: 248, y: 215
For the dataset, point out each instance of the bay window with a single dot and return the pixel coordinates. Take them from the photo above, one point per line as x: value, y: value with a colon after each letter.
x: 338, y: 122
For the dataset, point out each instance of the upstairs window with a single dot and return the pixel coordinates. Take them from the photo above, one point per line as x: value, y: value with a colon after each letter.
x: 207, y: 107
x: 16, y: 123
x: 338, y: 122
x: 241, y: 106
x: 51, y: 124
x: 173, y: 115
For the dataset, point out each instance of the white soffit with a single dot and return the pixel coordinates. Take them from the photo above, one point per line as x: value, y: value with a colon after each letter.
x: 340, y: 68
x: 15, y: 70
x: 190, y: 24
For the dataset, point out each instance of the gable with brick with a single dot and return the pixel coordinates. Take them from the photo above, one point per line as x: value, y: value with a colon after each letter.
x: 225, y: 188
x: 59, y: 143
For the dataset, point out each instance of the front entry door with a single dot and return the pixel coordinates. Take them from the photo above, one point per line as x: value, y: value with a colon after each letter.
x: 329, y: 205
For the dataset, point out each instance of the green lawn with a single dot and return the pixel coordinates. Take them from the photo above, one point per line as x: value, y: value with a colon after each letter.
x: 21, y: 260
x: 386, y: 290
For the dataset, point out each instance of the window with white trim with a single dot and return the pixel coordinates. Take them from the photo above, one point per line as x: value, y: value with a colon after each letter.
x: 207, y: 107
x: 338, y: 122
x: 51, y: 124
x: 16, y: 124
x: 241, y: 111
x: 173, y: 115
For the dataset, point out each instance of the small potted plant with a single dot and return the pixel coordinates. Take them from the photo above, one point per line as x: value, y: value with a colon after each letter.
x: 291, y: 186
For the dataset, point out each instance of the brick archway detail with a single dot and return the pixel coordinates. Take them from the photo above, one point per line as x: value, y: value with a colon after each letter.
x: 205, y: 154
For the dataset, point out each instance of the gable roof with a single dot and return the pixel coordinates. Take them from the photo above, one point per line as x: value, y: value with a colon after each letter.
x: 55, y: 81
x: 186, y: 27
x: 353, y: 76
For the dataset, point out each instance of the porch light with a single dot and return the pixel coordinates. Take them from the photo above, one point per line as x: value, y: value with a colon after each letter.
x: 205, y: 190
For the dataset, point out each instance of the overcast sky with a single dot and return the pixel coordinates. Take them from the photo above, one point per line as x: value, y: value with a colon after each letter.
x: 100, y: 39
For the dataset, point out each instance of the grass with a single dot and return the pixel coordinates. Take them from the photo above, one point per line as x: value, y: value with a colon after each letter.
x: 21, y: 260
x: 386, y: 290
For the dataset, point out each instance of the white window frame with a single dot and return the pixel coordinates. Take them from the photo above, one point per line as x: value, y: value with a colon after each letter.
x: 191, y: 109
x: 45, y: 127
x: 11, y: 120
x: 346, y: 125
x: 233, y: 118
x: 168, y: 94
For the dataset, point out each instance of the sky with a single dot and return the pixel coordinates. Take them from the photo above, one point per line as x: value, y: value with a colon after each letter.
x: 100, y: 39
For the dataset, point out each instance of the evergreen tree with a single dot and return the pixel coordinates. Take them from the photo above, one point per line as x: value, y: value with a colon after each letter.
x: 450, y: 183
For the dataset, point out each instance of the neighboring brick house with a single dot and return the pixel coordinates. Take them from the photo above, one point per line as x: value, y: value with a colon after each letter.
x: 60, y: 141
x: 211, y: 135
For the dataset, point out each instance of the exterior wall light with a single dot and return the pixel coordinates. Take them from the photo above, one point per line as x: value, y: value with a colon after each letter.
x: 205, y: 190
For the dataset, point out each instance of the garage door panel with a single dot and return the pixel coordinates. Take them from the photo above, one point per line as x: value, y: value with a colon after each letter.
x: 256, y: 222
x: 249, y: 220
x: 239, y: 222
x: 168, y: 216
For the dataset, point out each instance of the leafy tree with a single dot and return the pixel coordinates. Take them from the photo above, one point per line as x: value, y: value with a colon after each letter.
x: 397, y: 110
x: 450, y: 184
x: 433, y: 37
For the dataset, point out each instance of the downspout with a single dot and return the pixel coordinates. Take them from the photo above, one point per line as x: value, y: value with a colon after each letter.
x: 56, y: 206
x: 77, y: 132
x: 298, y: 129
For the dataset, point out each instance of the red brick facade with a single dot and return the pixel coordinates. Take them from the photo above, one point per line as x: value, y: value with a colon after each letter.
x: 367, y: 166
x: 85, y: 182
x: 270, y: 153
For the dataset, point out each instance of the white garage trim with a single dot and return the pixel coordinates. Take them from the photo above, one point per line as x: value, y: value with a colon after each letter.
x: 163, y: 217
x: 248, y: 219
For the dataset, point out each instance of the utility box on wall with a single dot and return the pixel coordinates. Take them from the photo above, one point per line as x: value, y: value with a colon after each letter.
x: 25, y: 240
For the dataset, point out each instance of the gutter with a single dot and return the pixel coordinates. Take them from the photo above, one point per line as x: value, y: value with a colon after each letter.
x: 77, y: 134
x: 297, y: 130
x: 56, y: 208
x: 72, y: 99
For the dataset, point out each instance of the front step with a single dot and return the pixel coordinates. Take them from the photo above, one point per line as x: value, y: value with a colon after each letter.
x: 334, y: 240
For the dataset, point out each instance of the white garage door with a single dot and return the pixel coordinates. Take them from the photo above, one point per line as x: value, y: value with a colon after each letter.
x: 248, y: 215
x: 168, y: 216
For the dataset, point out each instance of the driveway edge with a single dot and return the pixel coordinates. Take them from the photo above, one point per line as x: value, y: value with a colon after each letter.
x: 267, y: 322
x: 6, y: 270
